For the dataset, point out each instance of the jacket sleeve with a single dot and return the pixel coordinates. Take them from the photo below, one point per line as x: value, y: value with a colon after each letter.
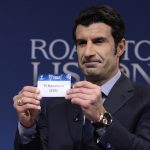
x: 35, y: 144
x: 119, y: 137
x: 40, y: 140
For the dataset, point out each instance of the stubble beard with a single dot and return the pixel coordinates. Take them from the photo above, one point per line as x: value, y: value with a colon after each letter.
x: 93, y: 75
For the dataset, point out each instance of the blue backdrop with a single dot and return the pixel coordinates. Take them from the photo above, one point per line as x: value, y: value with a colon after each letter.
x: 36, y: 37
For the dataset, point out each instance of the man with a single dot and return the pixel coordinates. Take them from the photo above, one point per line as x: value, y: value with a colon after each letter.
x: 106, y: 111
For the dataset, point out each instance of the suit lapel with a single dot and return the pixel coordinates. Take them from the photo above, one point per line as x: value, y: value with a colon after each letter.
x: 122, y: 91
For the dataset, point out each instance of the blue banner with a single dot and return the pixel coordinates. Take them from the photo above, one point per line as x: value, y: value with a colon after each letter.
x: 36, y: 38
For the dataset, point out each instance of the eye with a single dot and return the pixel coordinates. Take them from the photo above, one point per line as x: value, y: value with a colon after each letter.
x: 98, y: 40
x: 81, y: 42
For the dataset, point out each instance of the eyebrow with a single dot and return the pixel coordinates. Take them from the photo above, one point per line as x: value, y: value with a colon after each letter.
x: 80, y: 40
x: 98, y: 39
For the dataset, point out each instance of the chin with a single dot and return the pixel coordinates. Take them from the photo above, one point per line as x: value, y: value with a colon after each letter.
x: 91, y: 72
x: 92, y: 75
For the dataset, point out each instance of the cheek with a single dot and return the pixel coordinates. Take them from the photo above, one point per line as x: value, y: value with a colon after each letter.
x: 112, y: 62
x: 79, y: 60
x: 109, y: 54
x: 109, y: 59
x: 80, y: 55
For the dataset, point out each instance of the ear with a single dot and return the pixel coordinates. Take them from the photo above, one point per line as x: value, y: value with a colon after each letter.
x: 121, y: 47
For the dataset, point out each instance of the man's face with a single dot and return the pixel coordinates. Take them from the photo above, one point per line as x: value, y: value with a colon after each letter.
x: 96, y: 51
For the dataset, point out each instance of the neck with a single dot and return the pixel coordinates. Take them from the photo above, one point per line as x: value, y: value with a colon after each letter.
x: 96, y: 80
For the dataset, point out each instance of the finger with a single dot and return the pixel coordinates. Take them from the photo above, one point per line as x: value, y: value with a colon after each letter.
x: 26, y: 107
x: 15, y: 98
x: 83, y: 90
x: 85, y: 84
x: 31, y: 89
x: 83, y: 103
x: 30, y: 95
x: 80, y: 96
x: 26, y: 100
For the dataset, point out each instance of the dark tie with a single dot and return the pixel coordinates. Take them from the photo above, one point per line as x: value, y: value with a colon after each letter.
x: 104, y: 96
x: 87, y: 130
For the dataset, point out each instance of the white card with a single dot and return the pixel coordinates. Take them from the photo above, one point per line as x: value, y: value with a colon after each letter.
x: 54, y: 86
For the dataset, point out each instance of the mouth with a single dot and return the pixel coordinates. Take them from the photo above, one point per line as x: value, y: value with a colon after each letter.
x: 91, y: 64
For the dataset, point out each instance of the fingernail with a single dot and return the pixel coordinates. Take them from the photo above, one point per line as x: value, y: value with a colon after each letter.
x: 39, y: 107
x: 67, y: 92
x: 73, y: 85
x: 66, y: 96
x: 39, y: 97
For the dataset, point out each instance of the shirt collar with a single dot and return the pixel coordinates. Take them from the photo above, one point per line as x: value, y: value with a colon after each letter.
x: 110, y: 83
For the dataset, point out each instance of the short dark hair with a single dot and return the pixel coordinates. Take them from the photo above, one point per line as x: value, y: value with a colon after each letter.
x: 105, y: 14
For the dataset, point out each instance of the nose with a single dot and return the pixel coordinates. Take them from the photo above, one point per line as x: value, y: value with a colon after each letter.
x: 89, y: 51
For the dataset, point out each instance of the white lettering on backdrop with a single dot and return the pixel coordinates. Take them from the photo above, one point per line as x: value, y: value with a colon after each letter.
x: 61, y: 58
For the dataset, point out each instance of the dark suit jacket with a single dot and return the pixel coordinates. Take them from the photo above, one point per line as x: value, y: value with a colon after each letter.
x: 60, y: 123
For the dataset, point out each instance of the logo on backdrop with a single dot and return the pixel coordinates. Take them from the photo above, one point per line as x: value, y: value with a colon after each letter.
x: 57, y: 57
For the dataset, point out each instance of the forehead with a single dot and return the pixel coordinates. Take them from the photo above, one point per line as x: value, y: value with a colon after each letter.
x: 93, y: 30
